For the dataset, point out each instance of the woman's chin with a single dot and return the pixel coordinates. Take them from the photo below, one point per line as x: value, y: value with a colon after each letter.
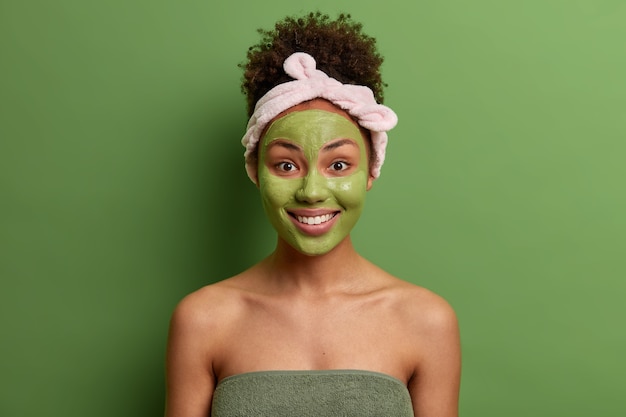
x: 315, y: 245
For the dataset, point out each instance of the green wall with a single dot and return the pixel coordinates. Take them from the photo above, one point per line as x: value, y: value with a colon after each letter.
x: 122, y: 189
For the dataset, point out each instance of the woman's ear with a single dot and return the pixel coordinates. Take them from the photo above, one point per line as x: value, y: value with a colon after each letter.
x: 370, y: 182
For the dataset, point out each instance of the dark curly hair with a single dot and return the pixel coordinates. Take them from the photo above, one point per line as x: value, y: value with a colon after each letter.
x: 339, y: 47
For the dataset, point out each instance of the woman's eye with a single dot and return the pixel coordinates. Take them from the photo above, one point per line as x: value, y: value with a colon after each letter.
x: 339, y: 166
x: 286, y: 166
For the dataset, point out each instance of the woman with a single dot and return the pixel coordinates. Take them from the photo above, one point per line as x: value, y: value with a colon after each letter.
x: 314, y: 329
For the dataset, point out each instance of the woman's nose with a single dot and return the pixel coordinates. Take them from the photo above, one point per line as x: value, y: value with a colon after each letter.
x: 314, y: 188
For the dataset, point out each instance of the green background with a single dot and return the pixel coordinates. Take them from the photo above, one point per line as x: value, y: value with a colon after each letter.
x: 122, y: 189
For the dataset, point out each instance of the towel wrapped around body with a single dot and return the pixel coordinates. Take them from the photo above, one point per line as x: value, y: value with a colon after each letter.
x: 311, y: 393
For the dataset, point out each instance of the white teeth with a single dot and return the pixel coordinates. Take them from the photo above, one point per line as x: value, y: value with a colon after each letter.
x: 315, y: 220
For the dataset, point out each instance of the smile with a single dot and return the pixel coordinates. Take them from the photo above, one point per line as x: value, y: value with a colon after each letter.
x: 315, y: 219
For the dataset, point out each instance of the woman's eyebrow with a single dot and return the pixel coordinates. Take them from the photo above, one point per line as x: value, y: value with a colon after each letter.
x: 284, y: 144
x: 337, y: 144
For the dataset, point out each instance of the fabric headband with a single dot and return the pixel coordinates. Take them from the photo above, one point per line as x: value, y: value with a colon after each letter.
x: 310, y: 83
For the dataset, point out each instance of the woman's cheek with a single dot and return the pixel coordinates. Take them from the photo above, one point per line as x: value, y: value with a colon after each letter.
x: 350, y: 191
x: 277, y: 192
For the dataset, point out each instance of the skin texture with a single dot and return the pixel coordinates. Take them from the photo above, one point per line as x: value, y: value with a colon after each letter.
x: 295, y: 311
x: 313, y: 163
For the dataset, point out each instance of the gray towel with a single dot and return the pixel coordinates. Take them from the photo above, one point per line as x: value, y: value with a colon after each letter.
x: 311, y: 393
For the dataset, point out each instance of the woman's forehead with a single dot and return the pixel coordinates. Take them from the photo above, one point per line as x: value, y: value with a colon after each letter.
x: 312, y: 128
x: 315, y: 104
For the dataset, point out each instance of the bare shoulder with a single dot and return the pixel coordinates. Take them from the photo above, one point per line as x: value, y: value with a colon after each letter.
x: 196, y: 335
x: 209, y: 307
x: 431, y: 329
x: 422, y: 309
x: 200, y: 323
x: 430, y: 307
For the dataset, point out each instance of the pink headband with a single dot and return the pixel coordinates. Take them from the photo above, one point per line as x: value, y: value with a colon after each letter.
x: 310, y: 83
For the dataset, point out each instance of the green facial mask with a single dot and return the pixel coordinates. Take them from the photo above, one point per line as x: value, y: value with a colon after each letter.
x: 313, y: 177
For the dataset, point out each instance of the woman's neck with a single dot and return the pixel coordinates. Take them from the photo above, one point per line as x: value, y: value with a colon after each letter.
x: 339, y: 270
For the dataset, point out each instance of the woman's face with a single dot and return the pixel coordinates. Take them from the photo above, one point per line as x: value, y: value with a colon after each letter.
x: 313, y: 176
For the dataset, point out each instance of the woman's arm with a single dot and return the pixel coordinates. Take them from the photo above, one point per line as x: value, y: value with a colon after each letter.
x: 190, y: 381
x: 434, y: 387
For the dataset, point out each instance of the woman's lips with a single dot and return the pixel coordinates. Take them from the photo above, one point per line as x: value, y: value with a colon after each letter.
x: 315, y: 219
x: 314, y: 222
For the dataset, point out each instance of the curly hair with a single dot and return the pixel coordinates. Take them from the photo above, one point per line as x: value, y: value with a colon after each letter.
x: 339, y: 47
